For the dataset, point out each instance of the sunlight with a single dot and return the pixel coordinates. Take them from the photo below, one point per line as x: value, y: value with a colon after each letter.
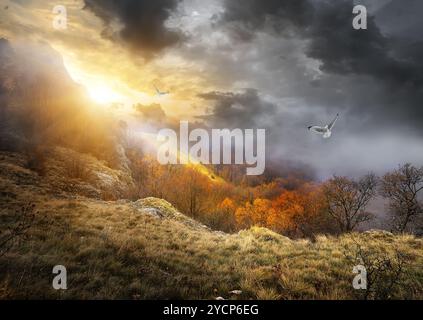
x: 104, y: 90
x: 98, y: 91
x: 103, y: 94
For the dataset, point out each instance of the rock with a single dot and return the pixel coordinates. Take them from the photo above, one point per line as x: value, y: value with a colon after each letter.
x: 154, y: 212
x: 236, y: 292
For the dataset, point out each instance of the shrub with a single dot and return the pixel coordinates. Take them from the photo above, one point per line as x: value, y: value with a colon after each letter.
x: 385, y: 271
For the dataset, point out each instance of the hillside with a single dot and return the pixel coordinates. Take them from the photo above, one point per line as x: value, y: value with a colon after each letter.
x: 146, y: 249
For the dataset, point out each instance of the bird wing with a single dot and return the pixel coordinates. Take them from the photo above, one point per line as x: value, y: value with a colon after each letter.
x: 157, y: 90
x: 317, y: 129
x: 330, y: 126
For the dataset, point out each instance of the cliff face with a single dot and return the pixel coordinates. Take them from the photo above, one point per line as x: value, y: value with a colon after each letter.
x: 66, y: 173
x: 148, y: 250
x: 23, y: 67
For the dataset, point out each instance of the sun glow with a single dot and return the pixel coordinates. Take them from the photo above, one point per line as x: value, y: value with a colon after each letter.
x: 101, y: 90
x: 103, y: 94
x: 104, y: 89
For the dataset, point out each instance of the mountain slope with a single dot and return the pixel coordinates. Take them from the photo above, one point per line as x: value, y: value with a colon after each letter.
x: 148, y: 250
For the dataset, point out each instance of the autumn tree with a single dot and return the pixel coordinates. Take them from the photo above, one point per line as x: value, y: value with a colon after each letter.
x: 301, y: 213
x: 222, y: 216
x: 347, y: 199
x: 189, y: 190
x: 288, y: 207
x: 269, y: 190
x: 254, y: 214
x: 227, y: 207
x: 402, y: 188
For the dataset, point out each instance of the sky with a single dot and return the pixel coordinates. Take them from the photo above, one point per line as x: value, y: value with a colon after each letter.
x: 274, y: 64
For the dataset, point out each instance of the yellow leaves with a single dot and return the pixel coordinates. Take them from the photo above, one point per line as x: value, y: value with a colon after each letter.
x: 255, y: 213
x: 227, y: 206
x: 292, y: 212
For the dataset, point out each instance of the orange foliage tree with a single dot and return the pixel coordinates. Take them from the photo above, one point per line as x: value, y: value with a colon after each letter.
x: 223, y: 216
x: 254, y: 214
x: 301, y: 213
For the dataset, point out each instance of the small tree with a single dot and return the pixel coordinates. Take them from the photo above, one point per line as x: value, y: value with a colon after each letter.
x: 347, y: 199
x: 402, y: 188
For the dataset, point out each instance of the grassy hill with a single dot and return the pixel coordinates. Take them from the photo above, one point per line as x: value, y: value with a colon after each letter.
x: 148, y: 250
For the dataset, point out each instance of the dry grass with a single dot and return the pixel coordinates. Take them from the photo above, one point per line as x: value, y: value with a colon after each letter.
x: 148, y: 250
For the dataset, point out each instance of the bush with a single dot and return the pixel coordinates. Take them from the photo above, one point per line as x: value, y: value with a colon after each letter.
x: 385, y: 271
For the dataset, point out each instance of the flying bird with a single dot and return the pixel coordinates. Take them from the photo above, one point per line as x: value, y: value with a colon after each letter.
x: 326, y: 131
x: 161, y: 93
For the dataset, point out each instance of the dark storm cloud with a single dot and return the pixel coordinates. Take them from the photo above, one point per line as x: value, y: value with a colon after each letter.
x: 287, y: 140
x: 401, y: 18
x: 332, y: 40
x: 311, y: 64
x: 382, y: 78
x: 247, y: 16
x: 344, y: 50
x: 248, y: 110
x: 143, y: 22
x: 396, y: 94
x: 238, y: 110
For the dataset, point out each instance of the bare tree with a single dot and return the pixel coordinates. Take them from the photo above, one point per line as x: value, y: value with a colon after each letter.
x: 402, y: 188
x: 347, y: 199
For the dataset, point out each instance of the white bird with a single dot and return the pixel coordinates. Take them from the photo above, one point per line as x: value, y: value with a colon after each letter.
x: 326, y: 131
x: 160, y: 93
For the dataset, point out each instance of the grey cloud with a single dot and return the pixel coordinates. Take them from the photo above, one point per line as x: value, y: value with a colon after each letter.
x: 249, y: 110
x: 332, y: 40
x: 343, y: 50
x: 367, y: 76
x: 143, y: 22
x: 245, y: 17
x: 365, y: 73
x: 238, y: 110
